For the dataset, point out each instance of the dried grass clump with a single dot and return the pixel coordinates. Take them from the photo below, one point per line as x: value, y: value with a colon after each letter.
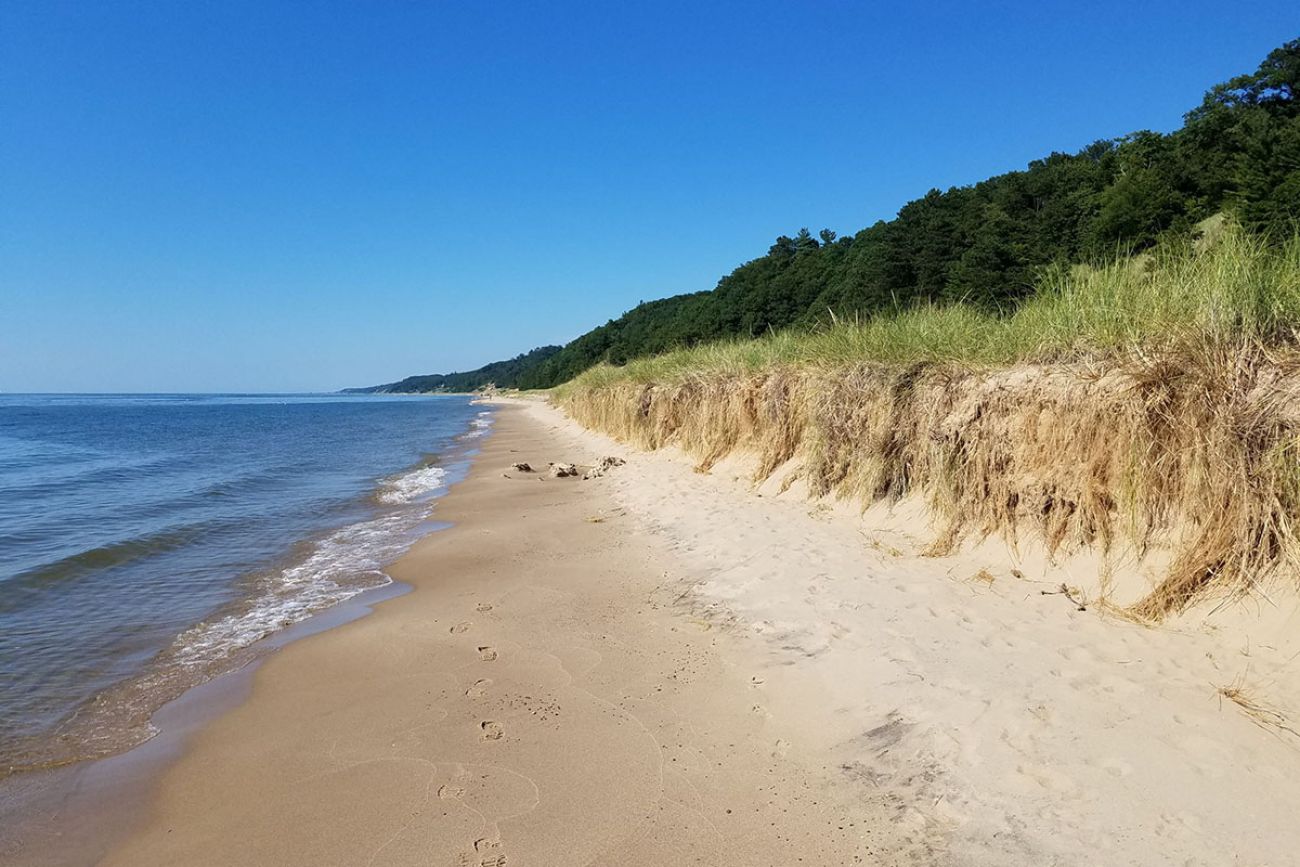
x: 1130, y: 404
x: 1267, y: 717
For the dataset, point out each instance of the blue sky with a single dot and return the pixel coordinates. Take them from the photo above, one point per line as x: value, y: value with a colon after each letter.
x: 304, y: 196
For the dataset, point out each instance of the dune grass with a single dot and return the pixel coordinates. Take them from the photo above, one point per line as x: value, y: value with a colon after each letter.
x: 1239, y: 290
x: 1145, y: 401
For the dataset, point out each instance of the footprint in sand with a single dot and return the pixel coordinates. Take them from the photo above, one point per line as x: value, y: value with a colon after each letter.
x: 463, y: 626
x: 487, y: 654
x: 487, y: 853
x: 451, y: 793
x: 492, y: 731
x: 483, y: 855
x: 479, y: 689
x: 483, y: 606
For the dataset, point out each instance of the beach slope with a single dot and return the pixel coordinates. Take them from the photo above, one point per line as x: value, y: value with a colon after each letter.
x: 537, y: 699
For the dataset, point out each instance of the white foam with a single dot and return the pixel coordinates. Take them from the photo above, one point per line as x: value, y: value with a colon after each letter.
x: 343, y: 564
x: 480, y: 425
x: 411, y: 486
x: 340, y: 565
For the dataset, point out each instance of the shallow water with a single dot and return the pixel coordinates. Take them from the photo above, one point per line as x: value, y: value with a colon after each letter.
x: 147, y: 543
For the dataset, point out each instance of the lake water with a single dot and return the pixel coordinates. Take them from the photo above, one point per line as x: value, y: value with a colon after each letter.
x: 148, y: 542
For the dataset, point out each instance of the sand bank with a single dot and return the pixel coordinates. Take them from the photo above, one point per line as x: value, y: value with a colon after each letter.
x: 662, y: 667
x: 1015, y: 728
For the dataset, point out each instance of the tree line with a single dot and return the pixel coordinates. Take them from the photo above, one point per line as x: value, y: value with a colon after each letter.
x: 502, y: 373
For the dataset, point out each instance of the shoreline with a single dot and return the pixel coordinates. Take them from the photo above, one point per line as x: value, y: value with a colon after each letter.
x: 659, y: 666
x: 75, y: 813
x: 253, y: 582
x: 73, y: 810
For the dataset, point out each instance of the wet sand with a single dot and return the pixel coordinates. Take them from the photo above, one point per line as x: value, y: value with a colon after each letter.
x: 539, y: 698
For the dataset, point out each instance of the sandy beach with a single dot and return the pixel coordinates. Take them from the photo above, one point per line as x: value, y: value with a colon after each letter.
x: 537, y: 699
x: 665, y: 667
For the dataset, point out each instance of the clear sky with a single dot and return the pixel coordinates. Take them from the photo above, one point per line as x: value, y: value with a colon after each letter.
x: 304, y: 196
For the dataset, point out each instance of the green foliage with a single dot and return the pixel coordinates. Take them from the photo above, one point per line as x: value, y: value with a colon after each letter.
x: 989, y: 244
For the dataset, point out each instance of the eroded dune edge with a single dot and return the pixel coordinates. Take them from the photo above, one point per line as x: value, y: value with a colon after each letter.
x: 1186, y: 471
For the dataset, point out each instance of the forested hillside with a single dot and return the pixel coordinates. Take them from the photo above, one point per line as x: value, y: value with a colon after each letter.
x: 503, y: 373
x: 1237, y: 152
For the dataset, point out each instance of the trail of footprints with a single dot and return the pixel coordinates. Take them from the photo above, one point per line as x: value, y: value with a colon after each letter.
x: 490, y: 730
x: 487, y: 850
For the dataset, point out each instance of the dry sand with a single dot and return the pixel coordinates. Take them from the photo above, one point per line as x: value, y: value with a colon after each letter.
x: 1018, y: 729
x: 660, y: 667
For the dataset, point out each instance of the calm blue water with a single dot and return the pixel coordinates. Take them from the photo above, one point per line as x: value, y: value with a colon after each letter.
x: 148, y: 542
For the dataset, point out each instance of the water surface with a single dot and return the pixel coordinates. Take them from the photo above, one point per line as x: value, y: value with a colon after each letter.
x: 148, y: 542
